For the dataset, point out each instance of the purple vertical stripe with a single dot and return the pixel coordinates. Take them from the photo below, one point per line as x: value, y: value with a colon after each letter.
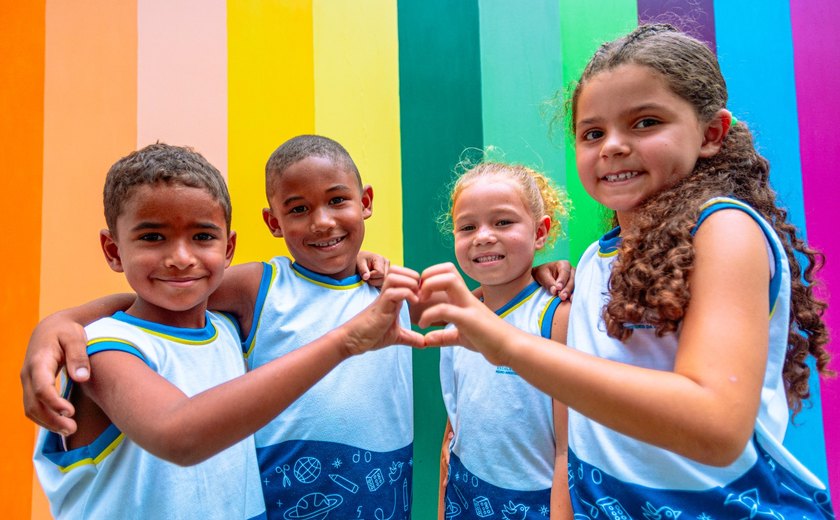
x: 816, y: 47
x: 696, y: 17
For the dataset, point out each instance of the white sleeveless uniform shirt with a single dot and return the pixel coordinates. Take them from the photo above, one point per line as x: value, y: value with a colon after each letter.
x: 612, y: 475
x: 502, y: 454
x: 115, y: 478
x: 344, y: 448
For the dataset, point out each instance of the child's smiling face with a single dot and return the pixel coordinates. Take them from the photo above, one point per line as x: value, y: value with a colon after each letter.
x: 173, y: 245
x: 634, y: 137
x: 496, y: 236
x: 320, y: 210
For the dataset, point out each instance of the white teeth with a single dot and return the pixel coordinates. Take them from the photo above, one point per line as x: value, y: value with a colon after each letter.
x: 620, y: 176
x: 328, y: 243
x: 491, y: 258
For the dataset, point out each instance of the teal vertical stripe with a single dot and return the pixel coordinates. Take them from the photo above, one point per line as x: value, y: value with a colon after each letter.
x: 583, y: 27
x: 440, y: 116
x: 520, y: 73
x: 755, y: 49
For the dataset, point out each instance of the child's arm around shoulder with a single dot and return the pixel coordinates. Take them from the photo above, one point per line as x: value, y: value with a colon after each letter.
x: 57, y: 340
x: 238, y: 292
x: 186, y: 430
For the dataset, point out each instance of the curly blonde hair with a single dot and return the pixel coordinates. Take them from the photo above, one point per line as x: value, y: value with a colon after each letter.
x: 539, y: 193
x: 649, y: 281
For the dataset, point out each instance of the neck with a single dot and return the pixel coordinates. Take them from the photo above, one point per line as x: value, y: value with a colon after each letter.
x: 496, y: 296
x: 194, y: 318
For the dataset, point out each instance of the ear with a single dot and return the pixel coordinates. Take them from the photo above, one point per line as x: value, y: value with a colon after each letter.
x: 111, y: 250
x: 272, y: 222
x: 716, y: 131
x: 367, y: 201
x: 543, y: 226
x: 231, y: 247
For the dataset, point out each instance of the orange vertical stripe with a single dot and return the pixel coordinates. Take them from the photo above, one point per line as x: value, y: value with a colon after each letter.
x: 21, y: 132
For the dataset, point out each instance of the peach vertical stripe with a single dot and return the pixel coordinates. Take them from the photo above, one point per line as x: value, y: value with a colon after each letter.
x: 182, y: 75
x: 270, y: 100
x: 21, y: 132
x: 357, y: 103
x: 90, y: 105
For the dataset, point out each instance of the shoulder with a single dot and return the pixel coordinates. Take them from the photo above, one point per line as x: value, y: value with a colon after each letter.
x: 560, y: 322
x: 729, y: 231
x: 248, y: 274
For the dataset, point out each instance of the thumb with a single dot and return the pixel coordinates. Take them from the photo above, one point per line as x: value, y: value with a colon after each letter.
x: 410, y: 338
x: 78, y: 363
x: 442, y: 337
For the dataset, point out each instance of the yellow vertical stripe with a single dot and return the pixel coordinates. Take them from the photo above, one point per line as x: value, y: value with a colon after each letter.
x: 270, y: 99
x: 357, y: 104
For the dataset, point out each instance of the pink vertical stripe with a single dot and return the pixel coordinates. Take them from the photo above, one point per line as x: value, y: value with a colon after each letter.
x: 182, y: 75
x: 816, y: 46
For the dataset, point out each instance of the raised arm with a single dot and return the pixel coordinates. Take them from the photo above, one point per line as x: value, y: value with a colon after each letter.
x: 57, y: 340
x: 184, y: 430
x: 705, y: 409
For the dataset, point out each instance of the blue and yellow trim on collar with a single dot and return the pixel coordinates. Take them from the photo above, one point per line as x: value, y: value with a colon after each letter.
x: 351, y: 282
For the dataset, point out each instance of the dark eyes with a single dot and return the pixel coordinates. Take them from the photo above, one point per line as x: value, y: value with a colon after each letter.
x: 647, y: 122
x: 591, y: 135
x: 158, y: 237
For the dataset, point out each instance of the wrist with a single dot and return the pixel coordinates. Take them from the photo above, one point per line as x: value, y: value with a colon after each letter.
x: 342, y: 342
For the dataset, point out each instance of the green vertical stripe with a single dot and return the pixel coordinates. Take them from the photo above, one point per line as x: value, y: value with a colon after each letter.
x: 440, y: 115
x: 520, y: 73
x: 584, y: 26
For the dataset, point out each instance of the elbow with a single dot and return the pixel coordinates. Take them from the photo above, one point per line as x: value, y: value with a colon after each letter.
x: 181, y: 448
x: 719, y: 449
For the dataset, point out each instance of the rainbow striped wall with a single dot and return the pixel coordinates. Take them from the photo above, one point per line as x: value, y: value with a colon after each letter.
x: 406, y: 86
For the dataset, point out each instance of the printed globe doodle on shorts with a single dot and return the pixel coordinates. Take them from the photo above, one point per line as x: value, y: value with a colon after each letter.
x: 314, y: 506
x: 307, y: 469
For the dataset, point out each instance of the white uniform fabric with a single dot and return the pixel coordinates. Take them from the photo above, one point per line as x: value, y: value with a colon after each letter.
x: 345, y: 446
x: 625, y: 478
x: 502, y: 454
x: 115, y: 478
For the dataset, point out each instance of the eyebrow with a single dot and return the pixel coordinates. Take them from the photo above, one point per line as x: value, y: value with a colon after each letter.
x: 331, y: 189
x: 158, y: 225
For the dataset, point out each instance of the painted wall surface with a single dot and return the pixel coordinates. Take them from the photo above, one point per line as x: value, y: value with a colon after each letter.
x: 406, y: 86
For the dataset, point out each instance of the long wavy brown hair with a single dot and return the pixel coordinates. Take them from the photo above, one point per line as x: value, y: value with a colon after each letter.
x: 649, y: 281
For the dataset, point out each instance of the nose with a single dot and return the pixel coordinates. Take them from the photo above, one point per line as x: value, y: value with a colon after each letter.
x: 180, y: 255
x: 614, y: 143
x: 322, y: 220
x: 484, y: 235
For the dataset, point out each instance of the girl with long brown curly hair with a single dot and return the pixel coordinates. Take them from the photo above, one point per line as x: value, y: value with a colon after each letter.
x: 693, y: 318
